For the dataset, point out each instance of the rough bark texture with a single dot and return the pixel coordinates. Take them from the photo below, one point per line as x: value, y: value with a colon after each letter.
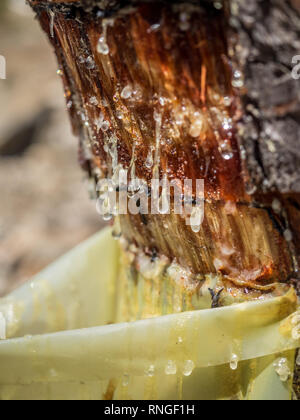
x: 268, y: 39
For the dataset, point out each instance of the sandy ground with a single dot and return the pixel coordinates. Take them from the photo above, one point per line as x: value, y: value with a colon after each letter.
x: 45, y: 209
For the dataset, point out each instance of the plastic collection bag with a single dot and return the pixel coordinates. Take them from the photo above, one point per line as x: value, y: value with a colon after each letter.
x: 62, y: 343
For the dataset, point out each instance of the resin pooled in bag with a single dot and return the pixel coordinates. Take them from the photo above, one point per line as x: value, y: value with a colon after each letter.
x: 70, y: 348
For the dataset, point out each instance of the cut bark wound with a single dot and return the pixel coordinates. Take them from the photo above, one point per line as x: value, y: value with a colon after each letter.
x: 218, y: 76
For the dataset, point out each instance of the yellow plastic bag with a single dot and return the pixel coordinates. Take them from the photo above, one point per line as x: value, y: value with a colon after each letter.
x: 62, y: 343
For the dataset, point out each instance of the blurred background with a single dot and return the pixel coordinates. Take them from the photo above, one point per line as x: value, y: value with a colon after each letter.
x: 45, y: 209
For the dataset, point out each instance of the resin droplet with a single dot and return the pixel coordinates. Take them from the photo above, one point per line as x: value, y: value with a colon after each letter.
x: 188, y: 367
x: 184, y: 21
x: 196, y: 219
x: 104, y: 207
x: 149, y: 161
x: 234, y: 362
x: 238, y: 80
x: 107, y: 217
x: 150, y: 371
x: 90, y: 63
x: 53, y: 373
x: 94, y: 100
x: 227, y: 155
x: 102, y: 46
x: 101, y: 124
x: 127, y: 92
x: 105, y: 126
x: 125, y: 380
x: 218, y: 5
x: 282, y: 369
x: 171, y: 368
x: 52, y: 17
x: 196, y: 128
x: 227, y: 101
x: 288, y: 235
x: 276, y: 206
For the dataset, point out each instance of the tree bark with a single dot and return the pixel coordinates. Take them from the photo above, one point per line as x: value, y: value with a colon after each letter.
x: 268, y: 37
x: 192, y: 90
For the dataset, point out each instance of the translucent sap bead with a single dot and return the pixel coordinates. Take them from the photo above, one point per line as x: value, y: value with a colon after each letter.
x: 171, y: 368
x: 282, y: 369
x: 102, y: 46
x: 127, y: 92
x: 234, y: 362
x: 150, y: 371
x: 125, y: 380
x: 188, y: 367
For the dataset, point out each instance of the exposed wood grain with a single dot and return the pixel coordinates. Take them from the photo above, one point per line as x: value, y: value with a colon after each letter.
x: 175, y: 73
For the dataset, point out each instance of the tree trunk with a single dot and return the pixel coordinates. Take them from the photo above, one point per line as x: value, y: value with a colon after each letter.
x: 191, y: 90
